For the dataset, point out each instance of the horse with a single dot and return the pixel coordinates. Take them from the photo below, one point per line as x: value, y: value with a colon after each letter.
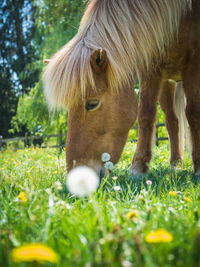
x: 93, y: 75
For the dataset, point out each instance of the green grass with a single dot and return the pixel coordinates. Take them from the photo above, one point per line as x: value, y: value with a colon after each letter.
x: 95, y: 231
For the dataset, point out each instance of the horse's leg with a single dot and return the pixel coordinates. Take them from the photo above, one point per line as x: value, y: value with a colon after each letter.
x: 167, y: 103
x: 191, y: 85
x: 149, y: 90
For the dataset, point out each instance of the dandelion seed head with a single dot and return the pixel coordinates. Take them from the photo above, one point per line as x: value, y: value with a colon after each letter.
x: 82, y: 181
x: 109, y: 165
x: 105, y: 157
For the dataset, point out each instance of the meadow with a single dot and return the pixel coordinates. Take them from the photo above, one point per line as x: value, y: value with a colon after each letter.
x: 154, y: 222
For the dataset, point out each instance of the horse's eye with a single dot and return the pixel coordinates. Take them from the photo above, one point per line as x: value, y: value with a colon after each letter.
x: 92, y: 105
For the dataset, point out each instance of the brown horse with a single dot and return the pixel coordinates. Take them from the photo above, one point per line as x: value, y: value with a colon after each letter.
x: 93, y: 76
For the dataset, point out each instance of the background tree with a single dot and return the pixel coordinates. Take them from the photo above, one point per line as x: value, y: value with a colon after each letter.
x: 18, y: 75
x: 57, y: 23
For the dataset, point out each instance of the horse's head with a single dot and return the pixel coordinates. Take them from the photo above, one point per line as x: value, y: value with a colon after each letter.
x: 99, y: 123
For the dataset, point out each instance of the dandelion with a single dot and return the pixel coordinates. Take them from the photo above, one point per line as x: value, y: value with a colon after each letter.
x: 69, y: 207
x: 117, y: 188
x: 149, y: 182
x: 172, y: 193
x: 132, y: 214
x: 48, y: 191
x: 114, y: 178
x: 159, y: 236
x: 51, y: 204
x: 22, y: 197
x: 60, y: 203
x: 110, y: 237
x: 109, y: 165
x: 126, y: 263
x: 58, y: 185
x: 83, y: 239
x: 82, y: 181
x: 105, y: 157
x: 34, y: 252
x: 187, y: 199
x: 102, y: 241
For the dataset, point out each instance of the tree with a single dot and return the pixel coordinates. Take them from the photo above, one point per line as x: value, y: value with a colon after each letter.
x: 18, y: 75
x: 8, y: 101
x: 57, y: 23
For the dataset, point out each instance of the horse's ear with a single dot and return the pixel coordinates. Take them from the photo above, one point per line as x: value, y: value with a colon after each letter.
x: 99, y: 60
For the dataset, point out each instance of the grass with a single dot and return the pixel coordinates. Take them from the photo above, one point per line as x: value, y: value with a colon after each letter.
x: 97, y: 231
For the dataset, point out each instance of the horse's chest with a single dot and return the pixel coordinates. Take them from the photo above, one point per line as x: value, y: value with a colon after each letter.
x: 173, y: 65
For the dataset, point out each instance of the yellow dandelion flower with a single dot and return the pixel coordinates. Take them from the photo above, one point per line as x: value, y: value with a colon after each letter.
x: 159, y: 236
x: 172, y: 193
x: 132, y: 214
x: 34, y: 252
x: 22, y: 197
x: 115, y: 178
x: 187, y: 199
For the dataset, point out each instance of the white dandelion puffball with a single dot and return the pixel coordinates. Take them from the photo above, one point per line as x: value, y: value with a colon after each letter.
x: 105, y: 157
x: 82, y: 181
x: 109, y: 165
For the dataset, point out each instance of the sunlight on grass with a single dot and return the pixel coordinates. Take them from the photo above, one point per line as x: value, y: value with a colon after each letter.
x: 108, y: 228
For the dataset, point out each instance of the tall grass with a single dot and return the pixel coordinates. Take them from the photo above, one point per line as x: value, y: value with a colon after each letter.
x: 99, y: 230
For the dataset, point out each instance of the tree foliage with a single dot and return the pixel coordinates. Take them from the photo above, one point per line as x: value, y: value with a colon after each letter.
x: 17, y: 73
x: 57, y: 23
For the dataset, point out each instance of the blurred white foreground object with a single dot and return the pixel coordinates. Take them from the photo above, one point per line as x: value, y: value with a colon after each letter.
x: 82, y: 181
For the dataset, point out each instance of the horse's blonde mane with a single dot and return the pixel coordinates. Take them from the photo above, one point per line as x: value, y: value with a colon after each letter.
x: 132, y: 32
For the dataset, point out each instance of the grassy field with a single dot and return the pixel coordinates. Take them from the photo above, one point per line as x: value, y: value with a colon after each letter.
x: 111, y: 227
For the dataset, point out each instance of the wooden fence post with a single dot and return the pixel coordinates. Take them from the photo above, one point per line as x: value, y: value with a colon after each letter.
x: 1, y: 142
x: 26, y: 140
x: 60, y: 138
x: 60, y: 141
x: 157, y: 140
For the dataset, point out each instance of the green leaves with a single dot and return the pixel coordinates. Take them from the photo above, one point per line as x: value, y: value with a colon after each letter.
x: 56, y: 24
